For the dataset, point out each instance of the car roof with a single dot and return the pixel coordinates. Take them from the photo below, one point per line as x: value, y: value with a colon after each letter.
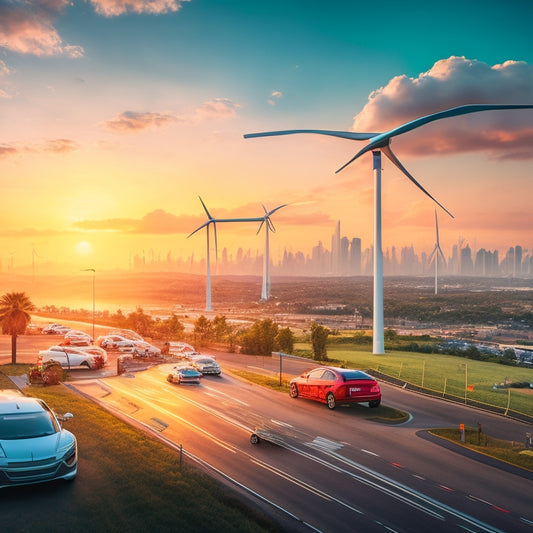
x: 348, y: 373
x: 11, y: 403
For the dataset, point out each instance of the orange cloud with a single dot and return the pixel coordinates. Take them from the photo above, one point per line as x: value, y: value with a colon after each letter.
x: 55, y: 146
x: 452, y: 82
x: 160, y: 222
x: 27, y: 28
x: 133, y: 122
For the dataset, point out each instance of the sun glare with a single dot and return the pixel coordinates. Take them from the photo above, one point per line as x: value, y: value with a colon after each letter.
x: 83, y: 248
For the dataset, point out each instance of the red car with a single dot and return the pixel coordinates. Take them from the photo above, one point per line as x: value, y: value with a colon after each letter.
x: 332, y: 386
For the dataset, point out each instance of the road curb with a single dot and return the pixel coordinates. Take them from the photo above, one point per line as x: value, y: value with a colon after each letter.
x: 477, y: 456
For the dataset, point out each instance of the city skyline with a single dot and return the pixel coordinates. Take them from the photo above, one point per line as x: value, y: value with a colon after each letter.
x: 117, y: 115
x: 344, y: 256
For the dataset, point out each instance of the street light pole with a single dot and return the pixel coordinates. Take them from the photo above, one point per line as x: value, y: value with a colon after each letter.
x: 94, y: 276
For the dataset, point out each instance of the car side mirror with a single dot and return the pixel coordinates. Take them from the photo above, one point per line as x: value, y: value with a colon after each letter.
x: 66, y: 417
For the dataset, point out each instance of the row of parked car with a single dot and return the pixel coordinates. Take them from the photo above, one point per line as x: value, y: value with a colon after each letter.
x: 78, y: 349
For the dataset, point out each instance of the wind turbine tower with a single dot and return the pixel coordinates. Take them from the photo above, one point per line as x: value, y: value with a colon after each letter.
x: 436, y: 253
x: 269, y: 226
x: 378, y: 143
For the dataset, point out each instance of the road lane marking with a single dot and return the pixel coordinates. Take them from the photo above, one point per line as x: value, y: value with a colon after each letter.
x: 292, y: 479
x: 197, y: 428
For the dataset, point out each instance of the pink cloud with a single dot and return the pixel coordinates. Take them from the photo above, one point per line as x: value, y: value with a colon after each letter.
x: 60, y: 146
x: 133, y: 121
x: 452, y: 82
x: 111, y: 8
x: 217, y: 109
x: 28, y: 28
x: 54, y: 146
x: 160, y: 222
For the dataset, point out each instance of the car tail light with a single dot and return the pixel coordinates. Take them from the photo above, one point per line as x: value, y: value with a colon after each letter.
x: 374, y: 388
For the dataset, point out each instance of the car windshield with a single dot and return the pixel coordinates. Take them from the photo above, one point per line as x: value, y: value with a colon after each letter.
x: 354, y: 374
x: 27, y: 425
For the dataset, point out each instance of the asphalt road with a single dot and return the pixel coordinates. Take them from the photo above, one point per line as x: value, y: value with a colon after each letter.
x: 328, y: 470
x: 322, y: 470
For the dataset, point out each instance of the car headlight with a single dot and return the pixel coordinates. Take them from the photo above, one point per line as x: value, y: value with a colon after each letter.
x: 66, y: 448
x: 71, y: 454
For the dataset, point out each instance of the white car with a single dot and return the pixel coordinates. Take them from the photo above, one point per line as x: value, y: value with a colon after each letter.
x: 127, y: 334
x: 114, y: 342
x: 55, y: 329
x: 34, y: 448
x: 78, y: 338
x: 206, y: 365
x: 145, y: 349
x: 124, y: 345
x: 75, y: 356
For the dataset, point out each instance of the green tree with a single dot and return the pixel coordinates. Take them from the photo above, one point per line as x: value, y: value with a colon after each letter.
x: 15, y: 308
x: 203, y: 330
x: 140, y: 322
x: 260, y: 339
x: 319, y: 337
x: 170, y: 328
x: 285, y: 340
x: 221, y: 328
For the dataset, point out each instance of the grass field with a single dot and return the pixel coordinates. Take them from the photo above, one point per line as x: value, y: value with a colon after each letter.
x: 444, y: 374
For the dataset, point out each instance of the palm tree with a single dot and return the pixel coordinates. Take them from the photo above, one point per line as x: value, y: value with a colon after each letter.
x: 15, y: 308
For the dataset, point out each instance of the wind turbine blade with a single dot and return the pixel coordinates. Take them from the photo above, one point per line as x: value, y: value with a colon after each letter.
x: 260, y: 226
x: 441, y: 255
x: 432, y: 254
x: 275, y: 209
x: 356, y: 156
x: 437, y: 227
x: 205, y: 208
x: 342, y: 134
x: 388, y: 152
x: 378, y: 140
x: 199, y: 228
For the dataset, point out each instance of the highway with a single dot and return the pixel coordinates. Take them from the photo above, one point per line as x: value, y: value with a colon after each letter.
x: 319, y: 470
x: 327, y: 470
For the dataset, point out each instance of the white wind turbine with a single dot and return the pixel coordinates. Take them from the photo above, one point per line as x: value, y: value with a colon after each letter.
x: 436, y: 253
x: 380, y: 142
x: 214, y: 221
x: 269, y: 226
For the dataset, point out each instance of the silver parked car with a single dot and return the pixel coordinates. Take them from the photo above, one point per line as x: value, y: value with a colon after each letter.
x: 206, y: 365
x: 34, y: 448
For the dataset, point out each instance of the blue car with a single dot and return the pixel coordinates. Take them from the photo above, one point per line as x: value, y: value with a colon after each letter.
x: 34, y: 448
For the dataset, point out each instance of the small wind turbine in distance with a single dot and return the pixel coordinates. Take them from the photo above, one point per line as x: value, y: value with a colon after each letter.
x: 436, y: 253
x: 214, y: 221
x: 269, y: 227
x: 380, y: 142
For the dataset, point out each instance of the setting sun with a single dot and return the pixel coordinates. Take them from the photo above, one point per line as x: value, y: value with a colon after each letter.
x: 84, y: 248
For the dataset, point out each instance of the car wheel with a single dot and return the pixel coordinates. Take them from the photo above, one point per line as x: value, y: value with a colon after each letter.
x: 254, y: 439
x: 330, y: 400
x: 85, y: 363
x: 169, y: 378
x: 374, y: 403
x: 293, y: 390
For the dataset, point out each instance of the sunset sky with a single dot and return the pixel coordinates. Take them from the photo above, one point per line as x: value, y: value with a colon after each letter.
x: 116, y: 115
